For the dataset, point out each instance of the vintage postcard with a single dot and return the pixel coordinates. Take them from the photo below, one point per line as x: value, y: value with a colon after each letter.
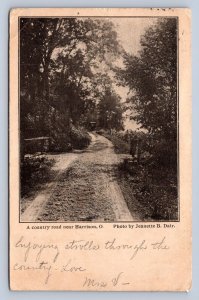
x: 100, y: 149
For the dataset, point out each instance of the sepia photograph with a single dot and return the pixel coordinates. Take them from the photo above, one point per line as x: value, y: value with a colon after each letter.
x: 98, y: 115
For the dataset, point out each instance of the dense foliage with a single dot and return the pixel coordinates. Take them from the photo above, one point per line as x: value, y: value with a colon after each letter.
x: 62, y: 83
x: 152, y: 79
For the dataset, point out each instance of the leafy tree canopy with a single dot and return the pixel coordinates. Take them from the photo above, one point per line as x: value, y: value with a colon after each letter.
x: 152, y: 78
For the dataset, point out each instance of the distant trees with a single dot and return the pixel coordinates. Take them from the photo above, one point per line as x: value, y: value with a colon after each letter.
x: 110, y: 111
x: 152, y: 79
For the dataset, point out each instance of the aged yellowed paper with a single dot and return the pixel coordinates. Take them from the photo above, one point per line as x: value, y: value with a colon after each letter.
x: 100, y: 149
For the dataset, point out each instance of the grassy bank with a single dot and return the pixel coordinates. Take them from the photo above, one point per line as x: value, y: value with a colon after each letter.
x: 121, y: 146
x: 35, y: 171
x: 153, y: 190
x: 36, y: 168
x: 149, y: 188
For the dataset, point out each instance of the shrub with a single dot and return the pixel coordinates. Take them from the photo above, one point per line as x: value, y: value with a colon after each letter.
x: 70, y: 138
x: 79, y: 137
x: 34, y: 170
x: 61, y: 143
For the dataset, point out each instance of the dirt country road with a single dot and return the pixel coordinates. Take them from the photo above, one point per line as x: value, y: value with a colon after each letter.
x: 85, y: 188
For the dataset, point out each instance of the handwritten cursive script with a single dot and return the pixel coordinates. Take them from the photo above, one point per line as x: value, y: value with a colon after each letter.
x: 38, y: 247
x: 49, y: 259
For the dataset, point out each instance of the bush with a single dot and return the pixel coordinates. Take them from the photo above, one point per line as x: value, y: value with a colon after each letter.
x: 79, y: 137
x: 61, y: 143
x: 70, y: 138
x: 34, y: 170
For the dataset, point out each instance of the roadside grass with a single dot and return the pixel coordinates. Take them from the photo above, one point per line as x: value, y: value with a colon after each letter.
x: 154, y: 189
x: 35, y: 171
x: 121, y: 146
x: 150, y: 189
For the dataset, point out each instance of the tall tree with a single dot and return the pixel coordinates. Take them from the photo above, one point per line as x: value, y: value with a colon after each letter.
x: 59, y: 61
x: 110, y: 111
x: 152, y: 78
x: 76, y: 66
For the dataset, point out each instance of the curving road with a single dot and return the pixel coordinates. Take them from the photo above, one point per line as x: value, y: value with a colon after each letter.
x: 85, y: 188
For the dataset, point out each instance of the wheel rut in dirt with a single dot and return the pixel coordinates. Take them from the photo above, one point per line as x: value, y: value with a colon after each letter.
x: 85, y: 190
